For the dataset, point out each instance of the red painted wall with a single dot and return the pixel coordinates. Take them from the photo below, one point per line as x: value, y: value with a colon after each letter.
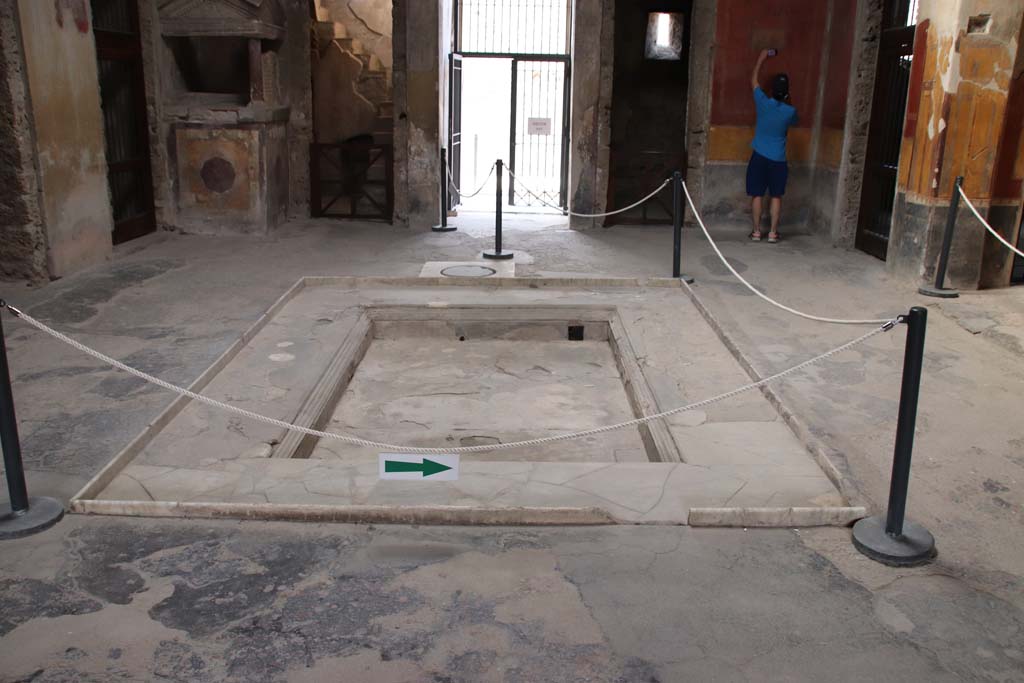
x: 840, y: 54
x: 1007, y: 185
x: 796, y: 27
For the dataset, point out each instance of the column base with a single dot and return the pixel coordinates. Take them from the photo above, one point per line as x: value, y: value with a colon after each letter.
x: 916, y: 546
x: 42, y: 514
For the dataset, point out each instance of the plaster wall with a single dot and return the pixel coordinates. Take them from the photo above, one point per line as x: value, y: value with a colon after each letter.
x: 368, y: 21
x: 294, y: 85
x: 60, y: 60
x: 22, y: 233
x: 417, y: 90
x: 958, y: 109
x: 816, y: 42
x: 590, y: 127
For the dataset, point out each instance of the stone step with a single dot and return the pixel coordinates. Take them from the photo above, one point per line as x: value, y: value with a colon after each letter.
x: 327, y: 31
x: 374, y: 87
x: 353, y: 45
x: 371, y: 62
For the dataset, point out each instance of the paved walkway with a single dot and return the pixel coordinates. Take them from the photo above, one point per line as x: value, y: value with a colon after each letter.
x: 102, y: 599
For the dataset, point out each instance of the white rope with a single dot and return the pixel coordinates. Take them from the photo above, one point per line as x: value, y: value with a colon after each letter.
x: 463, y: 195
x: 434, y: 451
x: 773, y: 302
x: 988, y: 227
x: 591, y: 215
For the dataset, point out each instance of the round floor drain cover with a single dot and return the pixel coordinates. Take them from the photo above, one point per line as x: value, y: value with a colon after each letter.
x: 468, y: 271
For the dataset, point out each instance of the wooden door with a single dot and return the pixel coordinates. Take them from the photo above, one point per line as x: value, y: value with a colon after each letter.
x: 123, y: 92
x: 882, y: 159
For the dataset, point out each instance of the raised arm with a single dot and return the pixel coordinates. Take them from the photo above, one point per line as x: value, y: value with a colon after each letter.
x: 755, y: 81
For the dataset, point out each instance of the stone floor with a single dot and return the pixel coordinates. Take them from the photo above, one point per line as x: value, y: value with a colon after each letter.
x: 459, y: 364
x: 98, y: 598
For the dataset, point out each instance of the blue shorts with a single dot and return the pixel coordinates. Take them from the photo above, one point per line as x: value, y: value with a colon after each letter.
x: 763, y: 174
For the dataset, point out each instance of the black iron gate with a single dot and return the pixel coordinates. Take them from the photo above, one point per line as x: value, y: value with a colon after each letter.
x: 539, y: 135
x: 454, y: 129
x: 123, y: 94
x: 535, y: 36
x: 1018, y: 262
x: 881, y: 164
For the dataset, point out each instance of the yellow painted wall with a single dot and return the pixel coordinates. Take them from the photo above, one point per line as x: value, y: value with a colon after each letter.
x: 60, y: 57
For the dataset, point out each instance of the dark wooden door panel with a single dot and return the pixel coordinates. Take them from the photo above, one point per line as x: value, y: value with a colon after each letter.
x: 881, y: 164
x: 125, y: 127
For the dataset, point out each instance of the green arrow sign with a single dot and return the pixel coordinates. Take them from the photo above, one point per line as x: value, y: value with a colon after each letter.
x: 427, y: 467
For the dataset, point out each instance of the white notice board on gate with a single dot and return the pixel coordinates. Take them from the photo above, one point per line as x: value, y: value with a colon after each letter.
x: 538, y: 126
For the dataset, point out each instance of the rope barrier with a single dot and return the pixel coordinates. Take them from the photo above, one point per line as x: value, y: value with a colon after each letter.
x: 590, y: 215
x: 773, y: 302
x: 988, y: 227
x: 462, y: 194
x: 435, y: 451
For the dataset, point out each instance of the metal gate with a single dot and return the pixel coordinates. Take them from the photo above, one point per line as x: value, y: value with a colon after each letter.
x: 535, y: 35
x: 1018, y: 263
x: 538, y: 145
x: 123, y: 93
x: 881, y: 164
x: 455, y: 129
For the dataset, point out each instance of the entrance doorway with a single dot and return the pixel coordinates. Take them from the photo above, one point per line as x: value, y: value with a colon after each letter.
x: 510, y: 86
x: 652, y: 39
x: 881, y: 163
x: 123, y: 94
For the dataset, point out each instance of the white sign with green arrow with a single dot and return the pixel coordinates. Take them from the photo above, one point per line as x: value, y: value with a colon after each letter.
x: 404, y: 467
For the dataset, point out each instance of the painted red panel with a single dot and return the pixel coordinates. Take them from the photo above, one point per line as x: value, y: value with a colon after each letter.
x: 799, y: 26
x: 77, y: 9
x: 916, y: 79
x: 844, y: 18
x: 1006, y: 186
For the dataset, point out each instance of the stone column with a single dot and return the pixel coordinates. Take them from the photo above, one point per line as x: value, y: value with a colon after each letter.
x: 23, y: 256
x: 593, y: 46
x: 966, y: 51
x: 417, y: 52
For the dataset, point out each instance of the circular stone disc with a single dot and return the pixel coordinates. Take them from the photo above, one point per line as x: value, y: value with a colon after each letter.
x: 468, y: 271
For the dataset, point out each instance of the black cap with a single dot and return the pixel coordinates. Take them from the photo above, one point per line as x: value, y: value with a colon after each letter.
x: 780, y: 87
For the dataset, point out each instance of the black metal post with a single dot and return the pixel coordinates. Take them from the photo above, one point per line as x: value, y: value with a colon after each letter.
x: 443, y: 225
x: 895, y: 541
x: 22, y: 515
x: 678, y: 215
x: 947, y: 242
x: 13, y: 469
x: 498, y: 254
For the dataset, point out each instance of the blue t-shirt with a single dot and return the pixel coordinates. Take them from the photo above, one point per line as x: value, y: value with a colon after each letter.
x: 773, y: 121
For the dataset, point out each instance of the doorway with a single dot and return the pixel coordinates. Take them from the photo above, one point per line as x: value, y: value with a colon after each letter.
x: 123, y: 96
x: 651, y: 79
x: 882, y: 159
x: 510, y: 84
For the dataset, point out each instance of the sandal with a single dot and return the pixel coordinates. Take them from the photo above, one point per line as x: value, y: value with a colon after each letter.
x: 773, y: 237
x: 755, y: 237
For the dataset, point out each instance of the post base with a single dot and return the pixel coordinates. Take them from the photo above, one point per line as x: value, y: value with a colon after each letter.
x: 499, y: 255
x: 42, y: 514
x: 915, y: 547
x: 938, y: 292
x: 444, y: 228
